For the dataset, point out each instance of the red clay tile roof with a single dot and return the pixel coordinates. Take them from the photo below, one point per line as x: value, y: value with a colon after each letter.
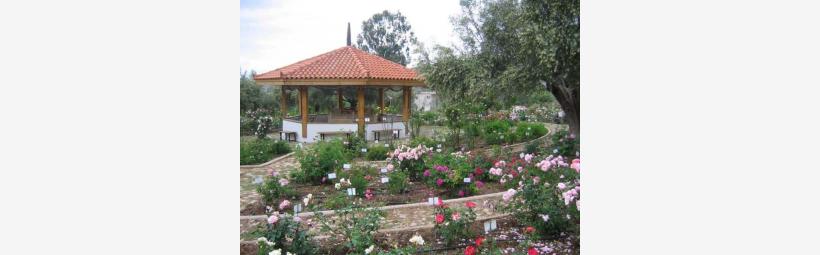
x: 342, y: 63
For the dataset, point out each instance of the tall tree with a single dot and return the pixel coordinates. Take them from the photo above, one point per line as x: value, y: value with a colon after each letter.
x: 514, y: 47
x: 388, y: 35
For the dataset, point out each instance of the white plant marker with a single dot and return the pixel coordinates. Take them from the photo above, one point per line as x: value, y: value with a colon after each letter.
x: 258, y: 180
x: 493, y: 225
x: 297, y: 208
x: 385, y: 179
x: 487, y: 227
x: 364, y: 150
x: 384, y: 170
x: 366, y: 119
x: 331, y: 176
x: 346, y: 166
x: 467, y: 180
x: 433, y: 200
x: 351, y: 191
x: 386, y: 145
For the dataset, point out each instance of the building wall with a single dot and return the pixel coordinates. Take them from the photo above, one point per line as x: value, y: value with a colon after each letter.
x: 313, y: 129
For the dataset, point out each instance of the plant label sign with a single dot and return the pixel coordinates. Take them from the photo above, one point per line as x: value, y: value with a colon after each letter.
x: 346, y: 166
x: 467, y: 180
x: 351, y: 191
x: 366, y: 119
x: 432, y: 200
x: 258, y: 180
x: 297, y: 208
x: 364, y: 150
x: 331, y: 176
x: 490, y: 225
x: 384, y: 170
x: 438, y: 146
x: 385, y: 179
x: 386, y: 145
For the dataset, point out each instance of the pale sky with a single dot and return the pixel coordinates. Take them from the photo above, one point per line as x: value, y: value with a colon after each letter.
x: 276, y: 33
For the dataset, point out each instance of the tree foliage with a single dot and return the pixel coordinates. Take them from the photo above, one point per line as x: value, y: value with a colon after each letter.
x: 388, y: 35
x: 511, y: 49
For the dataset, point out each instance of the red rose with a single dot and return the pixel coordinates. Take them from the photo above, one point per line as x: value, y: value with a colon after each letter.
x: 439, y: 218
x: 479, y: 240
x: 470, y: 250
x: 470, y: 204
x: 532, y: 251
x: 529, y: 229
x: 478, y: 171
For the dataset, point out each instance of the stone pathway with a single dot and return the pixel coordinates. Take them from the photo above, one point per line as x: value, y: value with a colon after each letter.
x: 247, y: 194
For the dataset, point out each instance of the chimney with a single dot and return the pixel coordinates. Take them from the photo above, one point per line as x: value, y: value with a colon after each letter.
x: 348, y: 33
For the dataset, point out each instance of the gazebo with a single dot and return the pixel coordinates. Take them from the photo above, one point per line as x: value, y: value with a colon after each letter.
x: 343, y: 69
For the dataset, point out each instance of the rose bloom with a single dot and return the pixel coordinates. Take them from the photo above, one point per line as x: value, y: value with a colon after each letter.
x: 439, y: 218
x: 470, y: 250
x: 479, y: 184
x: 273, y: 219
x: 532, y: 251
x: 439, y: 182
x: 461, y: 193
x: 390, y: 167
x: 470, y: 204
x: 561, y: 185
x: 456, y: 216
x: 283, y: 182
x: 576, y: 164
x: 427, y: 173
x: 508, y: 195
x: 529, y: 229
x: 479, y: 240
x: 285, y: 203
x: 478, y: 171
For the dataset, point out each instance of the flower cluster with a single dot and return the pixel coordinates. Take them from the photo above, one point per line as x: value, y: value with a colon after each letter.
x: 551, y: 161
x: 407, y: 153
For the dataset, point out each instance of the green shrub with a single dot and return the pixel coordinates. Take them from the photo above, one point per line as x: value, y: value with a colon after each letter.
x: 452, y: 229
x: 564, y: 143
x: 255, y: 151
x: 496, y: 132
x: 377, y: 152
x: 423, y: 140
x: 357, y: 226
x: 272, y: 189
x: 526, y: 131
x: 353, y: 145
x: 322, y: 158
x: 397, y: 183
x: 287, y: 235
x: 535, y: 201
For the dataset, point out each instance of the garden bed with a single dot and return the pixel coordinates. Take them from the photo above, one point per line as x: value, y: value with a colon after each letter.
x: 506, y: 237
x: 418, y: 192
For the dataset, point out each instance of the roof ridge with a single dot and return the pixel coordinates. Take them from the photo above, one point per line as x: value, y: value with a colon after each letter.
x: 359, y: 61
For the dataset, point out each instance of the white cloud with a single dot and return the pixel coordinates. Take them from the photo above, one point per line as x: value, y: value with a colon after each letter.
x: 279, y: 33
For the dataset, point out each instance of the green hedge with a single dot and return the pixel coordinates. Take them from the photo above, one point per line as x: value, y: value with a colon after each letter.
x: 255, y: 151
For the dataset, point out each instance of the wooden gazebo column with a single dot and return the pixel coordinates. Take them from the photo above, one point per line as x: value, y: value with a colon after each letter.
x: 406, y: 103
x: 283, y: 104
x: 381, y: 104
x: 360, y: 110
x: 303, y: 109
x: 339, y: 95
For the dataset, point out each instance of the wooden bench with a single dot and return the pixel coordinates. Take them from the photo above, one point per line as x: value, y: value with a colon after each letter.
x: 322, y: 135
x: 289, y: 136
x: 377, y: 134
